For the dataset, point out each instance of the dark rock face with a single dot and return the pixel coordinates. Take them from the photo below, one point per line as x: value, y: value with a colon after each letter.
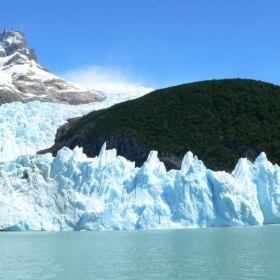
x: 15, y: 41
x: 27, y: 85
x: 11, y: 42
x: 6, y: 97
x: 126, y: 146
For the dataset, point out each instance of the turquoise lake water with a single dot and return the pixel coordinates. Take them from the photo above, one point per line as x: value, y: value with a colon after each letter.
x: 211, y: 253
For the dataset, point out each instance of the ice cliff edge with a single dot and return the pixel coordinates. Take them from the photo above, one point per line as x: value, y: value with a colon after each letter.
x: 73, y: 192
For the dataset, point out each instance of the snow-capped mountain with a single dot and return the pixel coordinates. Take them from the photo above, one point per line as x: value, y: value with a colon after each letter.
x: 73, y: 192
x: 28, y: 126
x: 23, y: 79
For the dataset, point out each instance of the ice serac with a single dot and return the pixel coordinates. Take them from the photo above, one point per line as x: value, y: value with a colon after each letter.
x: 23, y: 79
x: 191, y: 201
x: 236, y: 201
x: 267, y: 179
x: 74, y: 192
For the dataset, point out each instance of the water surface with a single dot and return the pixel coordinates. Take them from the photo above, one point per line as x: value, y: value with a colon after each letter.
x: 211, y: 253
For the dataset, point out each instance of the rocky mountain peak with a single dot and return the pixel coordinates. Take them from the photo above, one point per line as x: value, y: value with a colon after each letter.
x: 23, y: 79
x: 12, y: 42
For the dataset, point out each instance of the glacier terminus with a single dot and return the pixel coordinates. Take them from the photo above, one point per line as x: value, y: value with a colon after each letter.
x: 74, y: 192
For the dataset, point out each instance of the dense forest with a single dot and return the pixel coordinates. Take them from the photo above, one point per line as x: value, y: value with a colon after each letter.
x: 218, y: 120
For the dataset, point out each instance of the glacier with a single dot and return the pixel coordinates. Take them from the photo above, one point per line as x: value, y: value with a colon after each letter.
x: 26, y: 128
x: 74, y: 192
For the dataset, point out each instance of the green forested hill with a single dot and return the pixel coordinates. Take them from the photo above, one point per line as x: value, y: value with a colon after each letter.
x: 219, y: 121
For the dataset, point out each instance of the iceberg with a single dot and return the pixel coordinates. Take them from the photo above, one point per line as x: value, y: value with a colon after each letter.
x: 74, y: 192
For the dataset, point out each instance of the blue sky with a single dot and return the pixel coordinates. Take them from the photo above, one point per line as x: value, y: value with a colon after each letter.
x: 152, y: 43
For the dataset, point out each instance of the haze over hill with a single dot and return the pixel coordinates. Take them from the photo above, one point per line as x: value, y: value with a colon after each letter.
x: 218, y: 120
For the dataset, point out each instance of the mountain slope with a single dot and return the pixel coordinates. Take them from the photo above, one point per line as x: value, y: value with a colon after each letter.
x: 219, y: 120
x: 23, y: 79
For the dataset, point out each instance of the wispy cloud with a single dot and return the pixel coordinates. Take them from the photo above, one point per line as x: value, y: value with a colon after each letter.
x: 97, y: 74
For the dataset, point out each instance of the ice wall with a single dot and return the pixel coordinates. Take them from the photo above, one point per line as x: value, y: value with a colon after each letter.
x: 73, y: 192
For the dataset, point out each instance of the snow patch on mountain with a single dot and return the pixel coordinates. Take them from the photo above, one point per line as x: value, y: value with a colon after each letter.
x: 23, y: 79
x: 118, y: 92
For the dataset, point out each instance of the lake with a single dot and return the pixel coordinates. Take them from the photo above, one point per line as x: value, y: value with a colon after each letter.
x: 210, y: 253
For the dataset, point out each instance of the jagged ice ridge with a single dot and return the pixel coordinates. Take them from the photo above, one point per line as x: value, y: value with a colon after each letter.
x: 73, y: 192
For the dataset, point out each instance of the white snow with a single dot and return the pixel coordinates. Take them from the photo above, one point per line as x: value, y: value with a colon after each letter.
x: 29, y: 67
x: 119, y: 91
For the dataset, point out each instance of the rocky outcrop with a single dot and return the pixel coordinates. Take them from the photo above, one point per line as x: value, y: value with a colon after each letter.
x: 126, y: 146
x: 23, y: 79
x: 12, y: 41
